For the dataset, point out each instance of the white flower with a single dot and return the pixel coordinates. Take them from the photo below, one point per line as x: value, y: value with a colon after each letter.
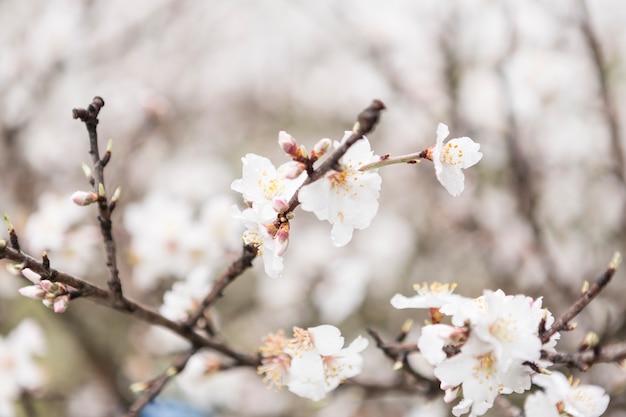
x: 346, y: 198
x: 319, y: 363
x: 451, y: 157
x: 433, y: 339
x: 560, y: 396
x: 270, y: 243
x: 185, y: 296
x: 262, y: 183
x: 435, y: 295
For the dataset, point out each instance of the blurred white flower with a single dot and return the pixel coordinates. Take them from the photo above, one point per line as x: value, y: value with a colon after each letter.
x: 450, y: 158
x: 562, y: 396
x: 17, y: 367
x: 347, y: 198
x: 58, y: 228
x: 185, y: 296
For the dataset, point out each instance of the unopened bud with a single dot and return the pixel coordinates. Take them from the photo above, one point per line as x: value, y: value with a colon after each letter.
x: 282, y: 239
x: 84, y: 198
x: 32, y: 291
x: 3, y: 243
x: 321, y: 147
x: 52, y: 287
x: 101, y: 190
x: 171, y: 371
x: 139, y: 386
x: 292, y: 170
x: 585, y: 287
x: 61, y: 303
x: 406, y: 326
x: 31, y: 275
x: 7, y: 222
x: 287, y: 143
x: 116, y: 194
x: 87, y: 170
x: 398, y: 365
x: 591, y: 340
x: 280, y: 204
x: 109, y: 146
x: 617, y: 259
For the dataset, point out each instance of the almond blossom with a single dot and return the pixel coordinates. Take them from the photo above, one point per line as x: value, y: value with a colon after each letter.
x: 347, y: 197
x: 453, y: 156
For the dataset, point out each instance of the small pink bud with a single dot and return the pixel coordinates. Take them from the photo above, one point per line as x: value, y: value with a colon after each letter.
x: 321, y: 147
x: 31, y: 275
x: 287, y: 143
x: 61, y: 303
x: 51, y: 287
x: 279, y: 205
x: 292, y: 170
x: 84, y: 198
x: 32, y: 291
x: 281, y: 240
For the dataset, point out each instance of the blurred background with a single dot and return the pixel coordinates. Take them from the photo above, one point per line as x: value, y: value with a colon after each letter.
x: 191, y: 87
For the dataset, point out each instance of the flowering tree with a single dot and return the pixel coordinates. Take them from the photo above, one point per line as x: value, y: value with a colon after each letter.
x: 494, y: 344
x: 201, y: 270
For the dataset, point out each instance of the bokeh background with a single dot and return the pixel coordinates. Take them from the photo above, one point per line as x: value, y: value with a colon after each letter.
x: 191, y: 87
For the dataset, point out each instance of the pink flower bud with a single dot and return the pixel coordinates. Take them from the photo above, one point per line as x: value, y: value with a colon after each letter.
x: 31, y: 275
x: 51, y: 287
x: 281, y: 240
x: 293, y: 170
x: 61, y: 303
x: 321, y: 147
x: 280, y: 204
x: 32, y: 291
x: 84, y: 198
x: 287, y: 143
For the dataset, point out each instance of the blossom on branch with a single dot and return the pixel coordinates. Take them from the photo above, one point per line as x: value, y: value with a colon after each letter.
x: 312, y: 363
x: 450, y: 158
x: 346, y: 197
x: 54, y: 295
x: 562, y: 396
x: 489, y: 349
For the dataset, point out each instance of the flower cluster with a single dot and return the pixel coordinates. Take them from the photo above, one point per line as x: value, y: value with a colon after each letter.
x: 312, y: 363
x: 346, y: 196
x: 491, y: 347
x: 54, y: 295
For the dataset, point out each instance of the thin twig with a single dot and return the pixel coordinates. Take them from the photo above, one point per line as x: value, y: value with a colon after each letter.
x: 613, y: 353
x: 236, y: 268
x: 89, y: 116
x: 366, y: 122
x: 107, y: 298
x: 585, y: 298
x: 155, y: 386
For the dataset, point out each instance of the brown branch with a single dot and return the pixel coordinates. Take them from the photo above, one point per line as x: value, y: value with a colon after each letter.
x: 366, y: 122
x: 89, y: 116
x: 236, y: 268
x: 107, y: 298
x: 563, y: 322
x: 614, y: 353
